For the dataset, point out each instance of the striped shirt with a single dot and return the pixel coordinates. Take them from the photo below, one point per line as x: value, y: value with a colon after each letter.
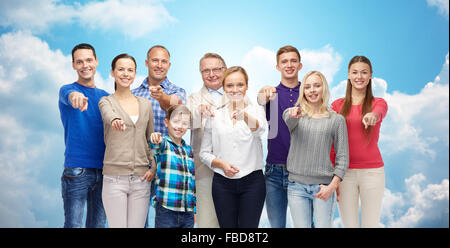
x: 175, y: 175
x: 158, y: 113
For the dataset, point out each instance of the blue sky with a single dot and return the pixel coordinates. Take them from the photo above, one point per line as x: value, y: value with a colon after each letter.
x: 406, y: 40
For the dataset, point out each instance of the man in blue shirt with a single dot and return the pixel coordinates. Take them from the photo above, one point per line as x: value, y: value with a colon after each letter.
x: 82, y: 178
x: 159, y: 90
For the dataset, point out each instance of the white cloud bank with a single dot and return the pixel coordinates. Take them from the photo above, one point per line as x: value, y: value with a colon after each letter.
x: 442, y: 6
x: 134, y: 18
x: 420, y: 206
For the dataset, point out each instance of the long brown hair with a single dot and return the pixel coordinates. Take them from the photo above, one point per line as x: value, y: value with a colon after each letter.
x: 367, y: 102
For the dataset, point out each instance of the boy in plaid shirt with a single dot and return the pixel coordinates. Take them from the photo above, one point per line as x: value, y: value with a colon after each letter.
x: 174, y: 200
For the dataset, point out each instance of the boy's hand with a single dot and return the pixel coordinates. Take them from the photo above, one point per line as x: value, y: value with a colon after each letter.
x: 155, y: 138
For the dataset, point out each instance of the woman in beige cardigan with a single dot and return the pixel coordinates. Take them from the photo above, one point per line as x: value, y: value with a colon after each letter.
x: 128, y: 124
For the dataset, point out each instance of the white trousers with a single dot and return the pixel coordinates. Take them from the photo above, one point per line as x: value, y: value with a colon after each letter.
x: 365, y: 186
x: 125, y: 199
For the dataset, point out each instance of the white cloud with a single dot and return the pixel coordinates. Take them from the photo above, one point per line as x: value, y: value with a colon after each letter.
x: 32, y: 144
x: 442, y: 6
x: 420, y: 206
x: 133, y: 18
x: 35, y: 15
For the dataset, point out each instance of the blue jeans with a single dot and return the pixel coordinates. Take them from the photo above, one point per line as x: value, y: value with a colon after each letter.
x: 239, y: 202
x: 305, y: 207
x: 166, y: 218
x: 78, y: 187
x: 276, y: 194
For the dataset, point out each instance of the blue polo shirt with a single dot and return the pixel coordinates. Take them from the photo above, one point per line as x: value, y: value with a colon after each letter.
x: 279, y: 138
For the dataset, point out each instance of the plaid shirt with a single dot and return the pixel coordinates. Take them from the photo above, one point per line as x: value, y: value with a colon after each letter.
x: 158, y: 114
x: 175, y: 175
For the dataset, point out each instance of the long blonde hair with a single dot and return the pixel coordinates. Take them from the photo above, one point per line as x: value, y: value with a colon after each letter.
x: 304, y: 104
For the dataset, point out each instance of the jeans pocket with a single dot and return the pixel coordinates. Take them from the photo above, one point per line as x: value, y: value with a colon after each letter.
x: 268, y: 169
x: 72, y: 172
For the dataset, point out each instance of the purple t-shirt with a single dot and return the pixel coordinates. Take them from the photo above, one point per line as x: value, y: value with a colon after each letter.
x: 278, y: 139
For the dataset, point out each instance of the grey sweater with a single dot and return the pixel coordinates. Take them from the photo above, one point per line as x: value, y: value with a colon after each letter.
x: 308, y: 160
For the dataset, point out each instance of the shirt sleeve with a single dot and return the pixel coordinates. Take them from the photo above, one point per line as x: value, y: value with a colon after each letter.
x: 341, y: 147
x: 148, y: 133
x: 260, y: 116
x: 291, y: 123
x: 181, y: 93
x: 380, y: 108
x: 107, y: 111
x: 64, y: 93
x: 206, y: 148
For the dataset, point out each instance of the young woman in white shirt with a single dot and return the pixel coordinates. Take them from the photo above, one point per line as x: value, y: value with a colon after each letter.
x: 232, y: 148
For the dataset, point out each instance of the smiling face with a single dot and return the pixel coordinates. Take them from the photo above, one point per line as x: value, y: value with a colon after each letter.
x: 235, y: 86
x: 212, y: 70
x: 178, y: 124
x: 158, y: 64
x: 313, y: 90
x: 85, y: 64
x: 359, y: 75
x: 124, y: 72
x: 289, y: 64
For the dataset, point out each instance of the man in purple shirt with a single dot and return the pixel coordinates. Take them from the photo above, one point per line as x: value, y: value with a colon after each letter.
x: 276, y: 100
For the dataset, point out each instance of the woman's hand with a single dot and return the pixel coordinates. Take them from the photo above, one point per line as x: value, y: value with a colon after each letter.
x: 118, y: 125
x: 149, y: 175
x: 327, y: 190
x: 295, y: 112
x: 229, y: 169
x: 369, y: 119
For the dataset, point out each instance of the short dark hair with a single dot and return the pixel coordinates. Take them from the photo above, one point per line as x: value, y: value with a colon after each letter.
x: 287, y: 49
x: 157, y: 46
x: 83, y: 46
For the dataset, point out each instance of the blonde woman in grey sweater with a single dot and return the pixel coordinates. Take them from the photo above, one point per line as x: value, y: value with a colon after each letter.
x: 313, y: 180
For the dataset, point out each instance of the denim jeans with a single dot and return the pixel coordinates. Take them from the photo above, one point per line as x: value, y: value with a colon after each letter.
x: 239, y: 202
x: 78, y: 187
x: 276, y: 194
x: 166, y: 218
x: 305, y: 207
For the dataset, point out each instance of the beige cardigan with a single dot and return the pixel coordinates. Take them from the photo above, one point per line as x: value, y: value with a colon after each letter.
x: 127, y: 152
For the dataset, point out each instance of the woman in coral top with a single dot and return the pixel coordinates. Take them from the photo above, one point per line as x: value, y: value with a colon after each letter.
x: 365, y: 178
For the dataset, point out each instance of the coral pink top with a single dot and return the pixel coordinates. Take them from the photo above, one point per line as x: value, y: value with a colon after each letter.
x: 364, y: 152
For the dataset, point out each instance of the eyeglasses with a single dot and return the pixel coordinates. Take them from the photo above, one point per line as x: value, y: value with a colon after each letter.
x: 213, y: 70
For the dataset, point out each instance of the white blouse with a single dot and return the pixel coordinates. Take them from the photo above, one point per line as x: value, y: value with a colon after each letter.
x: 235, y: 144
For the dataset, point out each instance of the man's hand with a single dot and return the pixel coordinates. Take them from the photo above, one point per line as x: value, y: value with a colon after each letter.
x: 205, y: 110
x: 156, y: 92
x: 78, y: 100
x: 266, y: 94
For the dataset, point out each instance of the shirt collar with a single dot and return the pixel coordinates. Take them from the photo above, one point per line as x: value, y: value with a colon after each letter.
x: 164, y: 84
x: 219, y: 91
x: 282, y: 86
x: 183, y: 143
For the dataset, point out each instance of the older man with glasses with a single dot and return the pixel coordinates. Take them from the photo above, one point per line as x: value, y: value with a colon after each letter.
x: 202, y: 105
